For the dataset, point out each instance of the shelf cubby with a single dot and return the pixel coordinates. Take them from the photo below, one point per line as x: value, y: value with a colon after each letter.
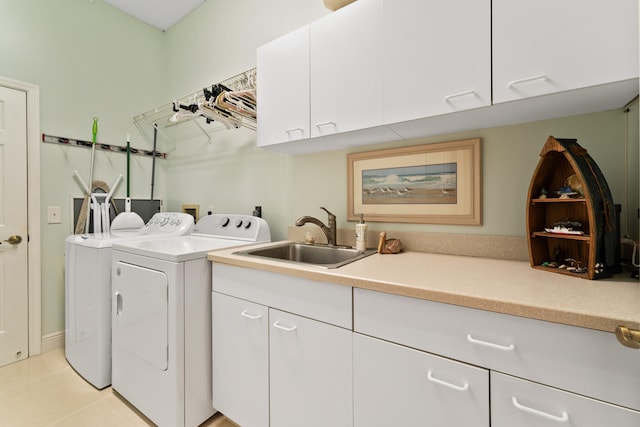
x: 564, y: 163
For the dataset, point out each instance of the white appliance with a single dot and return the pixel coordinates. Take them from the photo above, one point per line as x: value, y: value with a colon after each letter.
x: 88, y: 292
x: 161, y: 318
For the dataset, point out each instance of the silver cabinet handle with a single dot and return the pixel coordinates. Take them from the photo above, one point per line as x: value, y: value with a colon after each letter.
x: 246, y: 314
x: 472, y: 340
x: 278, y: 325
x: 527, y: 79
x: 433, y: 379
x: 560, y: 419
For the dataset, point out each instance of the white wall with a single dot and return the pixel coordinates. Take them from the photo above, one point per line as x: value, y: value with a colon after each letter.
x: 91, y: 60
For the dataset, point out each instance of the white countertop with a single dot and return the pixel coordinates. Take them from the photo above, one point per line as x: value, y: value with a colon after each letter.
x: 503, y: 286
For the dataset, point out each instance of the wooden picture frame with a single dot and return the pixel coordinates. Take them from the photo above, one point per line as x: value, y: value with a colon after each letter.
x: 432, y: 184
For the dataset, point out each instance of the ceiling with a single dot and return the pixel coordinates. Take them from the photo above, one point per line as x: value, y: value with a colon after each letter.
x: 161, y: 14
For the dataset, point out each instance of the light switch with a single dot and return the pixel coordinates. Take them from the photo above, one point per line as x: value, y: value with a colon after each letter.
x: 53, y: 215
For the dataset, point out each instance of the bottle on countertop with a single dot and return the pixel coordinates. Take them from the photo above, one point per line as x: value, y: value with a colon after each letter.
x: 361, y: 234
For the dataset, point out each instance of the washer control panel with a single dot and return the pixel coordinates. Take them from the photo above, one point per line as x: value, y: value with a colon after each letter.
x: 235, y: 227
x: 171, y: 223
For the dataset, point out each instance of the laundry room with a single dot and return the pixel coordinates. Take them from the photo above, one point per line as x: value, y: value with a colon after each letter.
x: 96, y: 77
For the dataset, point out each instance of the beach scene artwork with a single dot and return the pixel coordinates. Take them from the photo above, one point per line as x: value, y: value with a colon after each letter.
x: 423, y: 184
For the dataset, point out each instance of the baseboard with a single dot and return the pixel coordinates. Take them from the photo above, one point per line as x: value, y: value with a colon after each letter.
x: 53, y: 341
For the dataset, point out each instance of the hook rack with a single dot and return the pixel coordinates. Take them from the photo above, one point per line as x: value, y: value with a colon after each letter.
x: 107, y: 147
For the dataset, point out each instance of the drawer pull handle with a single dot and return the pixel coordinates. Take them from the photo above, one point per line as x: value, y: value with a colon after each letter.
x: 526, y: 80
x: 433, y: 379
x: 472, y: 340
x: 246, y: 314
x: 562, y: 419
x: 278, y: 325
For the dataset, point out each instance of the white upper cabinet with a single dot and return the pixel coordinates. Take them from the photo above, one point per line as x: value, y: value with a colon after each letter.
x: 283, y: 88
x: 436, y: 57
x: 380, y: 70
x: 346, y: 78
x: 551, y: 46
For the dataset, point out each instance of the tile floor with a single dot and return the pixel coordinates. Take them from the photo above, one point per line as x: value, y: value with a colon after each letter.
x: 44, y: 391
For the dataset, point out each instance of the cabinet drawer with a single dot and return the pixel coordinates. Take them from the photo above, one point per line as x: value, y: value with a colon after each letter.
x: 576, y: 359
x: 516, y: 402
x: 322, y: 301
x: 396, y: 385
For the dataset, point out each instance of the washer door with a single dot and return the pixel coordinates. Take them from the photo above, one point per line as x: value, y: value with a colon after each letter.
x: 140, y: 313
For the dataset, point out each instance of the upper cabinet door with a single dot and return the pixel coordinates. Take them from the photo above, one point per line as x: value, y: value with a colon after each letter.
x: 436, y: 57
x: 551, y: 46
x: 283, y: 88
x: 346, y: 80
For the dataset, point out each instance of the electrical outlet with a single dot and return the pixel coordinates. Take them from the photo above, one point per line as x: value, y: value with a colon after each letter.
x: 53, y: 215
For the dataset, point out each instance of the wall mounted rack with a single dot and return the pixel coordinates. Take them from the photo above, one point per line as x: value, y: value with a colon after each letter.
x: 230, y: 103
x: 101, y: 146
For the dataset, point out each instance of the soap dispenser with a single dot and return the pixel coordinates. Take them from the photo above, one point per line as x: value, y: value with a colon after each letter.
x: 361, y: 234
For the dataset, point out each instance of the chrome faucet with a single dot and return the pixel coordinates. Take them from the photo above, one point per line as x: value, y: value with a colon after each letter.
x: 329, y: 231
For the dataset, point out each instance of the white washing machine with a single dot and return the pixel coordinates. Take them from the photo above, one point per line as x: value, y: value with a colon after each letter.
x: 88, y: 292
x: 161, y: 318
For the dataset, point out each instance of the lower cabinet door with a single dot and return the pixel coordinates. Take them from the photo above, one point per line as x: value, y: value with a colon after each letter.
x: 517, y: 402
x: 310, y: 372
x: 240, y: 353
x: 399, y: 386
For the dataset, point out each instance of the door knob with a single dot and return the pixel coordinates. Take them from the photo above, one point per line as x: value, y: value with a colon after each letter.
x: 13, y: 240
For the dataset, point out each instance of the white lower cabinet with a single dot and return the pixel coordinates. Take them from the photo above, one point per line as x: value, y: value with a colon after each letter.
x: 292, y: 352
x: 395, y: 385
x: 517, y: 402
x: 583, y: 373
x: 282, y: 349
x: 310, y: 372
x: 240, y: 360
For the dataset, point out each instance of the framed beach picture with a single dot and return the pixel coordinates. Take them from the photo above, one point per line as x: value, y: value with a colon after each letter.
x: 433, y: 183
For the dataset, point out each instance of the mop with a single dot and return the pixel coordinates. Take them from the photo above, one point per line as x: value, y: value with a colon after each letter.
x: 98, y: 189
x: 127, y: 219
x: 94, y: 132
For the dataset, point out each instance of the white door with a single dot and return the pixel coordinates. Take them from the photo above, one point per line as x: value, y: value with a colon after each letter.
x: 553, y: 46
x: 345, y: 66
x: 283, y: 79
x: 13, y: 223
x: 310, y: 372
x: 240, y: 360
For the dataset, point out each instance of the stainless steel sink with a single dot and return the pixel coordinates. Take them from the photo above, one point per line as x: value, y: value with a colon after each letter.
x: 319, y: 255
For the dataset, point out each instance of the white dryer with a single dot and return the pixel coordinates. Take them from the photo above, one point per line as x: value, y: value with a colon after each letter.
x: 88, y: 292
x: 161, y: 318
